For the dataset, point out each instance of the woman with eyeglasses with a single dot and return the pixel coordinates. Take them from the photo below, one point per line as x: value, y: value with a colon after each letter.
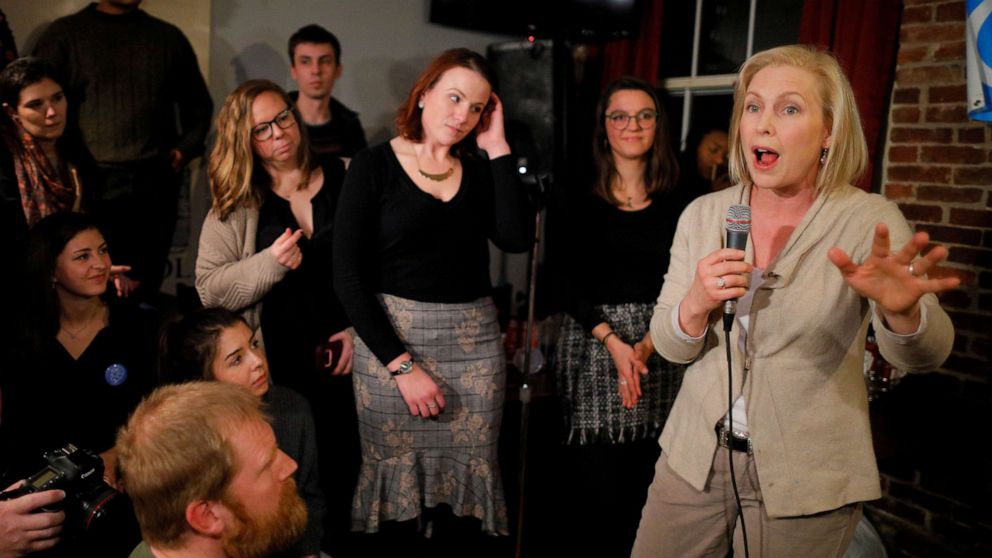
x: 616, y: 390
x: 265, y: 251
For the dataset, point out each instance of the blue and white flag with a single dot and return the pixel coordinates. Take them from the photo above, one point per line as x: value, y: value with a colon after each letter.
x: 979, y: 59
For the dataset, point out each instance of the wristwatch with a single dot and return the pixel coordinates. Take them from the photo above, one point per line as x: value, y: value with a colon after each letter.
x: 405, y: 368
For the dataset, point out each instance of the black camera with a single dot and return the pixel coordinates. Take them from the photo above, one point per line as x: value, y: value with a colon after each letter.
x: 79, y: 473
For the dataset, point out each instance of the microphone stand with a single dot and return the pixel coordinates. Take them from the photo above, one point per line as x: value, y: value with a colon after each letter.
x: 524, y: 394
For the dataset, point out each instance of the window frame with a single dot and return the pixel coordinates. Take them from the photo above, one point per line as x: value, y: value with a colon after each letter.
x: 694, y: 84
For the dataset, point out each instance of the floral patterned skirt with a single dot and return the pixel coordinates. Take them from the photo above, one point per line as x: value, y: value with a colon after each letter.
x: 410, y: 463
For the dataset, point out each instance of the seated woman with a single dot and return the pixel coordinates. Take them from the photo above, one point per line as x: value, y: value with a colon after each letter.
x: 82, y: 360
x: 217, y: 344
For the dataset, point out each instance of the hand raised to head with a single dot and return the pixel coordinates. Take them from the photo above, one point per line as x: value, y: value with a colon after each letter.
x: 492, y: 134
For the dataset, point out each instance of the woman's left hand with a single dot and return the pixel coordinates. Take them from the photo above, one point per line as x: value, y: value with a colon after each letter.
x: 124, y: 284
x: 895, y: 280
x: 492, y: 136
x: 347, y: 352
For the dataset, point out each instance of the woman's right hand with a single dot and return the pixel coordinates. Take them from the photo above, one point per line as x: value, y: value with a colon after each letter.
x: 421, y: 393
x: 285, y: 250
x: 720, y: 276
x: 629, y: 370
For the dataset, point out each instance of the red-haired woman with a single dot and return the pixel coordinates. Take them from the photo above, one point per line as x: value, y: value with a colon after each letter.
x: 411, y: 265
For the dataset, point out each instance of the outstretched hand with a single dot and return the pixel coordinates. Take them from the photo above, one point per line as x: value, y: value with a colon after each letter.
x: 895, y: 280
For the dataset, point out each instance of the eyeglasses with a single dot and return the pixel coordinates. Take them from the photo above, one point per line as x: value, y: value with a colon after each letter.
x: 263, y: 131
x: 620, y: 120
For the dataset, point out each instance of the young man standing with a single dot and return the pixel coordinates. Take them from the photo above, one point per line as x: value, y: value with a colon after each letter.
x: 315, y: 64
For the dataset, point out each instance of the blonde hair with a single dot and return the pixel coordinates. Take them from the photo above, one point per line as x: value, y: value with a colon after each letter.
x: 175, y: 450
x: 848, y: 153
x: 236, y: 175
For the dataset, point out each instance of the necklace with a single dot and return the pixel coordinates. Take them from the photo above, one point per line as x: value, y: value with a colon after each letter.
x: 75, y: 335
x: 436, y: 177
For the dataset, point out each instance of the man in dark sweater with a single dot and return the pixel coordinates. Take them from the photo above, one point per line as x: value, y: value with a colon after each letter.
x: 315, y: 64
x: 144, y: 111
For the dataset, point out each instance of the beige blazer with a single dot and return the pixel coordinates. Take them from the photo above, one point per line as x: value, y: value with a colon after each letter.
x: 802, y: 371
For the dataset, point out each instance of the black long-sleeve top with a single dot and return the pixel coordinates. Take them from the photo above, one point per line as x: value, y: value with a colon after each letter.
x: 392, y: 237
x: 302, y: 310
x: 616, y: 256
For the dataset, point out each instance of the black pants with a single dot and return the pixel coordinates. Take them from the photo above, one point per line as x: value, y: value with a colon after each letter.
x: 135, y: 206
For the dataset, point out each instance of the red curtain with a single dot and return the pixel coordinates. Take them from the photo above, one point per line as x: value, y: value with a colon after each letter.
x: 865, y: 37
x: 638, y: 56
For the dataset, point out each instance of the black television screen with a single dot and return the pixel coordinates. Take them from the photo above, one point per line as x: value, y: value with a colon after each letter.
x: 541, y: 18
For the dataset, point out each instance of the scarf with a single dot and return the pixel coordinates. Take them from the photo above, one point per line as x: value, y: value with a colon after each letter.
x: 42, y: 188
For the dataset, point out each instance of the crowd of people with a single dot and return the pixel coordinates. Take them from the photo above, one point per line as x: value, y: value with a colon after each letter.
x: 341, y: 390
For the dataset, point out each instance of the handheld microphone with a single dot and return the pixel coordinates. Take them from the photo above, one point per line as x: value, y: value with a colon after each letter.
x: 738, y: 227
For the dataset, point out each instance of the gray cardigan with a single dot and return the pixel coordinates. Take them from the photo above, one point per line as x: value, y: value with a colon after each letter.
x: 807, y: 407
x: 228, y: 271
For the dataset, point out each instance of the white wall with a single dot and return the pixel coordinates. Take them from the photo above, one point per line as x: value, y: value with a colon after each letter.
x: 385, y: 44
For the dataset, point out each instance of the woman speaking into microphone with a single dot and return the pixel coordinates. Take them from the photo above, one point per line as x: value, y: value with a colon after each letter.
x: 823, y: 260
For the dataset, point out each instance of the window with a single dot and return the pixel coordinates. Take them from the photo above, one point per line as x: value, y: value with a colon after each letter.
x: 704, y: 43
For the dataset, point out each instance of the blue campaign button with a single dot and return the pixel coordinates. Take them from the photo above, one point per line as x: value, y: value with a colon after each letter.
x: 115, y: 374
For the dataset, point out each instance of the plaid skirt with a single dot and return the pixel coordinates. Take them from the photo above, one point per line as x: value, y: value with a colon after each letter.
x: 409, y: 463
x: 587, y: 381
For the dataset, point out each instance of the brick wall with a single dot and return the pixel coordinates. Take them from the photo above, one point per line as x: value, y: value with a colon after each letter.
x: 937, y: 474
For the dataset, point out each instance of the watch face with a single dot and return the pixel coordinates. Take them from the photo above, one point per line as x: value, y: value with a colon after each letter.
x: 404, y: 368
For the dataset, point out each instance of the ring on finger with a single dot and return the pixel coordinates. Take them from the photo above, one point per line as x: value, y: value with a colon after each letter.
x: 622, y: 382
x: 911, y: 270
x: 432, y: 405
x: 720, y: 282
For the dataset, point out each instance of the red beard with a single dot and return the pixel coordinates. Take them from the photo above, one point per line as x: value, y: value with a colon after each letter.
x: 258, y: 537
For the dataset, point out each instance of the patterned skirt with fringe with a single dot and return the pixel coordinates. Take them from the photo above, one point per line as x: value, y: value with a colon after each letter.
x: 587, y: 381
x: 410, y: 463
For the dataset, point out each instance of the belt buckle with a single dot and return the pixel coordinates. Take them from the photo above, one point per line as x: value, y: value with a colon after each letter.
x: 723, y: 436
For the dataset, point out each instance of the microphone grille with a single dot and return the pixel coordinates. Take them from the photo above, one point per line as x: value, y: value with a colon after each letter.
x: 739, y: 218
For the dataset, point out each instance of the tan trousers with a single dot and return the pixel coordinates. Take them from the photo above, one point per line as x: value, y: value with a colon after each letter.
x: 682, y: 522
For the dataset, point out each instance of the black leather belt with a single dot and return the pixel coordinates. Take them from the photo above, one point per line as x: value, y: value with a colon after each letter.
x: 732, y: 440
